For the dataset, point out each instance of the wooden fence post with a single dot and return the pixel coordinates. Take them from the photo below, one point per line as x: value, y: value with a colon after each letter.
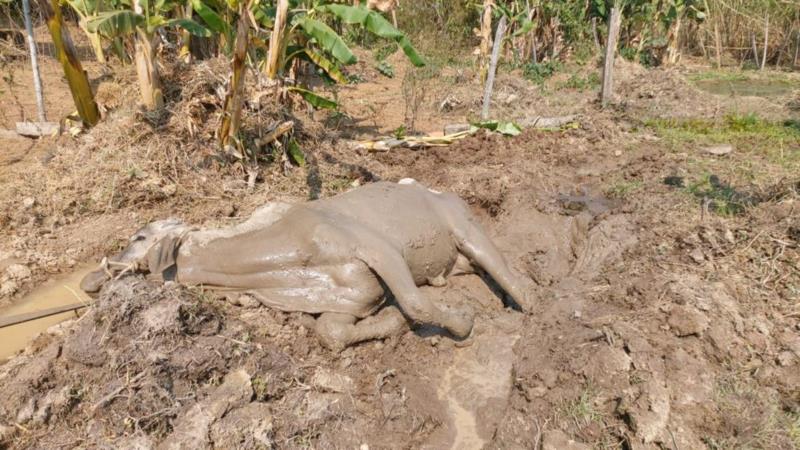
x: 608, y: 62
x: 37, y: 79
x: 498, y: 42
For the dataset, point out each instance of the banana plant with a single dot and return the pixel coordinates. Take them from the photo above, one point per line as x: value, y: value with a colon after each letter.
x: 143, y: 20
x: 86, y: 11
x: 307, y: 37
x: 76, y: 77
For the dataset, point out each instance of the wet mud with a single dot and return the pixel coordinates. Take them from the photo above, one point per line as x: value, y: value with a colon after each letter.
x: 62, y: 291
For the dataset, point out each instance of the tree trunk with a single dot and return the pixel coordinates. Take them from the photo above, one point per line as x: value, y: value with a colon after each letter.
x: 146, y: 68
x: 766, y: 42
x: 606, y: 92
x: 147, y: 71
x: 486, y: 39
x: 232, y: 108
x: 796, y: 50
x: 186, y: 37
x: 673, y: 50
x: 65, y: 52
x: 498, y: 42
x: 755, y: 49
x: 276, y: 40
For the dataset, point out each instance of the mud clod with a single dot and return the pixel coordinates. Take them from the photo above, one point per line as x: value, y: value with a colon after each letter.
x: 687, y: 321
x: 557, y: 440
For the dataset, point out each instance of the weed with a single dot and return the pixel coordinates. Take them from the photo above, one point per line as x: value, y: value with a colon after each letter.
x: 385, y: 69
x: 384, y: 52
x: 415, y: 91
x: 793, y: 429
x: 583, y: 53
x: 354, y: 78
x: 646, y: 58
x: 399, y: 132
x: 539, y: 72
x: 581, y: 410
x: 582, y: 83
x: 622, y: 189
x: 722, y: 198
x: 261, y: 387
x: 753, y: 417
x: 340, y: 184
x: 740, y: 123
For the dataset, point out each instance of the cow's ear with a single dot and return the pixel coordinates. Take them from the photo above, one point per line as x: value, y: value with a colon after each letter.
x: 162, y: 255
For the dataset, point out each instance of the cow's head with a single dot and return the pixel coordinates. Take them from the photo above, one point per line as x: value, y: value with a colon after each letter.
x: 146, y: 249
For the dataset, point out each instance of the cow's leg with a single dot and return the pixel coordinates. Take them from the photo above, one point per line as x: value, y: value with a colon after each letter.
x: 389, y: 264
x: 473, y: 242
x: 337, y: 331
x: 388, y: 322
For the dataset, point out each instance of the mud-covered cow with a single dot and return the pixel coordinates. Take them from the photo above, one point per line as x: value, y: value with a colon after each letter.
x: 335, y: 258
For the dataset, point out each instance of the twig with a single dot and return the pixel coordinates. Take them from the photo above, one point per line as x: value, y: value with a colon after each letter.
x: 242, y: 343
x: 113, y: 394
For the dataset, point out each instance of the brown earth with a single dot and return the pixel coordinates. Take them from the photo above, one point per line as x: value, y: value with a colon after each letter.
x: 660, y: 324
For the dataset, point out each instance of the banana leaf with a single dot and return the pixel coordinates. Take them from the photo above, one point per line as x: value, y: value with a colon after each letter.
x: 115, y: 23
x: 84, y: 7
x: 189, y: 25
x: 327, y: 65
x: 214, y: 22
x: 327, y: 39
x: 296, y: 153
x: 376, y: 24
x: 498, y: 126
x: 314, y: 99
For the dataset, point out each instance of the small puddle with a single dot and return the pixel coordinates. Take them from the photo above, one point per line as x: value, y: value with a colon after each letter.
x: 62, y: 291
x: 756, y: 88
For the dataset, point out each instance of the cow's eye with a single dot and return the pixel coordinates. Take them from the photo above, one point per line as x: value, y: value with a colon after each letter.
x: 137, y: 238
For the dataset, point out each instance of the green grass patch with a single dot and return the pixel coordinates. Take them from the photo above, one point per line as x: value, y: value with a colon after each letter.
x: 722, y: 198
x: 764, y: 151
x: 581, y: 410
x: 622, y: 189
x: 777, y: 141
x: 719, y: 75
x: 581, y: 83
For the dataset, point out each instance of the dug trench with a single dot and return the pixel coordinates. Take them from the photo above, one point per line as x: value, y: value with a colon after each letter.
x: 646, y: 333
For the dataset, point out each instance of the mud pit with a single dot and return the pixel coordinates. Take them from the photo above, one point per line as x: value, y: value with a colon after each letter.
x: 341, y: 258
x: 181, y: 368
x: 60, y: 292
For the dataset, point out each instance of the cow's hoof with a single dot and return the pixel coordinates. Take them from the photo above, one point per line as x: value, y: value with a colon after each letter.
x: 461, y: 322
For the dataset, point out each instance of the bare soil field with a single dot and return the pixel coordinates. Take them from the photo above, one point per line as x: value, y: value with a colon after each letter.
x: 668, y: 285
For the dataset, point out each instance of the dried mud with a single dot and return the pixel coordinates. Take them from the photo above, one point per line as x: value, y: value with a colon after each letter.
x: 657, y: 325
